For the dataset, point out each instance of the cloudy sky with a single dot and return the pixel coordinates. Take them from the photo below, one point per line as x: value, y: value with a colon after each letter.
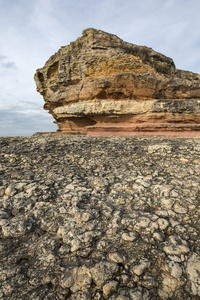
x: 31, y: 31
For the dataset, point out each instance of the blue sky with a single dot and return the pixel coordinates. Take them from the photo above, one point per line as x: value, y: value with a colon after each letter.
x: 31, y: 31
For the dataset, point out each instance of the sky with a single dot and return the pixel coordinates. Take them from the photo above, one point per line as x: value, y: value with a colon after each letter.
x: 31, y: 31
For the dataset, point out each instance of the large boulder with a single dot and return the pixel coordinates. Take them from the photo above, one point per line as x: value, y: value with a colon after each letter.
x: 100, y: 84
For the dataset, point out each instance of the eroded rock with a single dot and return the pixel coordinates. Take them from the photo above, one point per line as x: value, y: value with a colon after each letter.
x: 102, y: 85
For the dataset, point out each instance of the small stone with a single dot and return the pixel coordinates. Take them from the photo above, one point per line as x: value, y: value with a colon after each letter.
x: 117, y: 257
x: 109, y: 288
x: 139, y: 294
x: 97, y: 296
x: 175, y: 258
x: 159, y: 236
x: 17, y: 227
x: 176, y: 246
x: 168, y: 287
x: 129, y: 236
x: 103, y: 271
x: 174, y: 222
x: 10, y: 191
x: 179, y: 230
x: 124, y: 279
x: 179, y: 209
x: 82, y: 295
x: 84, y: 216
x: 20, y: 186
x: 141, y: 267
x: 122, y: 297
x: 141, y: 223
x: 166, y: 203
x: 2, y: 191
x: 175, y: 269
x: 162, y: 223
x: 176, y: 250
x: 75, y: 245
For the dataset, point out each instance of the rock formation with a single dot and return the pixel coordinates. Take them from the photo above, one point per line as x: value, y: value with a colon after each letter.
x: 100, y: 84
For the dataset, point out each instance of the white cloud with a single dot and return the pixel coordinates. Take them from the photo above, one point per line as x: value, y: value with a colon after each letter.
x: 14, y: 122
x: 2, y: 57
x: 9, y: 65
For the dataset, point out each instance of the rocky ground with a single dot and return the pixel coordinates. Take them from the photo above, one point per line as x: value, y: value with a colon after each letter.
x: 99, y: 218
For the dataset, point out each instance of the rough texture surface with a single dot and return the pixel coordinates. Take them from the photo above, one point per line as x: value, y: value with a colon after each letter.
x: 99, y: 66
x: 99, y: 218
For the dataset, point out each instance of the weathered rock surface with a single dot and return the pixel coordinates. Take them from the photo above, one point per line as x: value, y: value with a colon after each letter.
x: 99, y: 218
x: 100, y: 67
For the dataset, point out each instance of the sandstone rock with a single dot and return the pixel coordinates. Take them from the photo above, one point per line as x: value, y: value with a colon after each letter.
x: 100, y: 84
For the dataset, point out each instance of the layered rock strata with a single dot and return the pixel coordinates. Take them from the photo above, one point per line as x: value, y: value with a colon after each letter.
x: 93, y: 218
x: 100, y: 84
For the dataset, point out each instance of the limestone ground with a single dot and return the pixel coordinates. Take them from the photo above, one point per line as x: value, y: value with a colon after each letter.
x: 99, y: 218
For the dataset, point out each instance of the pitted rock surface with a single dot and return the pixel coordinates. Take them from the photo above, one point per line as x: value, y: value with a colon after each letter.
x: 100, y: 71
x: 99, y: 218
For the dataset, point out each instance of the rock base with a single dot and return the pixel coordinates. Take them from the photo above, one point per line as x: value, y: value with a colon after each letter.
x: 148, y: 118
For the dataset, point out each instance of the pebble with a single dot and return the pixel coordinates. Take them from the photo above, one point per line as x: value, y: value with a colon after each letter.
x: 10, y: 191
x: 139, y: 269
x: 117, y: 257
x: 174, y: 269
x: 162, y: 223
x: 109, y: 288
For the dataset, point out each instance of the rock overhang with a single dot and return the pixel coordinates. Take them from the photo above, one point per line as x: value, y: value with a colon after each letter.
x: 99, y: 75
